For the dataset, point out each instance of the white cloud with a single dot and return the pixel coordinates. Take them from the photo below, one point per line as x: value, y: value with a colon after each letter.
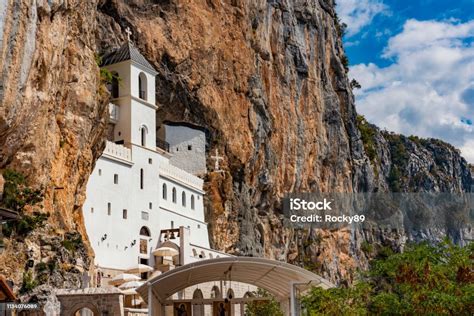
x: 428, y: 88
x: 468, y: 150
x: 358, y: 13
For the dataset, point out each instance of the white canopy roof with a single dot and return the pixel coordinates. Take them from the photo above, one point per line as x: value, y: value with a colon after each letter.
x: 274, y: 276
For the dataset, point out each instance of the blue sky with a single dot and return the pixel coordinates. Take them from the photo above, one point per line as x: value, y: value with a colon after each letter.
x: 415, y: 62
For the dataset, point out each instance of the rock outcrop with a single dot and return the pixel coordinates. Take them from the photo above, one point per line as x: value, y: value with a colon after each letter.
x: 52, y: 115
x: 268, y: 79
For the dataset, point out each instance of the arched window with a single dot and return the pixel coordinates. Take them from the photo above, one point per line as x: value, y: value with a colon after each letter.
x: 215, y: 292
x: 174, y: 195
x: 115, y: 85
x: 230, y: 294
x: 142, y: 85
x: 192, y: 201
x: 144, y: 231
x: 165, y: 192
x: 141, y: 179
x: 143, y: 132
x: 198, y: 309
x: 183, y: 198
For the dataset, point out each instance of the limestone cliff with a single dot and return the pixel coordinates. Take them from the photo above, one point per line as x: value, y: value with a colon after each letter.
x: 52, y: 118
x: 266, y: 78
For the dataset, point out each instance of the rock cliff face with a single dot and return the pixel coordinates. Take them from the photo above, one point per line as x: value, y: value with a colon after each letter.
x: 266, y: 78
x: 52, y: 118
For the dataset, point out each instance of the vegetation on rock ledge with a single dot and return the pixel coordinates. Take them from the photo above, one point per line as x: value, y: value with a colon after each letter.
x: 424, y: 280
x: 17, y: 196
x: 367, y: 133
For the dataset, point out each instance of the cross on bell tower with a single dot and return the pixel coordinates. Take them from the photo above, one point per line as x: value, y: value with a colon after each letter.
x: 129, y: 33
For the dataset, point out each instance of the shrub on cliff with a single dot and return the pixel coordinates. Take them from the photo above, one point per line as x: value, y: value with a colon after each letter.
x: 16, y: 196
x: 424, y: 280
x: 29, y: 282
x: 367, y: 133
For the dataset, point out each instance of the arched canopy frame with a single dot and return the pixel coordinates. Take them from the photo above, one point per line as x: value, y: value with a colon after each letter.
x: 274, y: 276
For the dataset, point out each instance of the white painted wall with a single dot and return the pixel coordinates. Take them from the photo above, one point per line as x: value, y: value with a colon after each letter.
x: 117, y: 251
x: 180, y: 137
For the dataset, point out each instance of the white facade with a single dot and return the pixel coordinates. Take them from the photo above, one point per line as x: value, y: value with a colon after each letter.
x: 188, y: 146
x: 141, y: 197
x: 126, y: 189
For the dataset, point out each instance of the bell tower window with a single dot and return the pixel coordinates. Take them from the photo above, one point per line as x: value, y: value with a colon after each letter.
x: 115, y: 85
x: 142, y: 86
x: 143, y: 132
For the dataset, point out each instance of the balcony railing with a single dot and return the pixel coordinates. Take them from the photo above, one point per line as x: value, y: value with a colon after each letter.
x: 163, y: 145
x: 118, y: 151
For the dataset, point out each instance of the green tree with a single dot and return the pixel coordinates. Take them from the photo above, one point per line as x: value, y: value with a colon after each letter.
x: 16, y: 196
x: 263, y: 308
x: 424, y: 280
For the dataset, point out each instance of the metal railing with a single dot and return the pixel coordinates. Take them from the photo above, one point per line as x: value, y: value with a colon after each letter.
x: 163, y: 145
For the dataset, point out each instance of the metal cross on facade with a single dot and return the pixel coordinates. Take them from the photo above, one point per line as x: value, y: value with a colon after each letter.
x: 217, y: 158
x: 129, y: 33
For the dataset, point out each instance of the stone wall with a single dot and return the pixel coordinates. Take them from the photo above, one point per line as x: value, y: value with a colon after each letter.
x: 101, y: 301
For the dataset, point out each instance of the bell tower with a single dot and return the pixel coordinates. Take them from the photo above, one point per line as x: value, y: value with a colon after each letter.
x: 132, y: 107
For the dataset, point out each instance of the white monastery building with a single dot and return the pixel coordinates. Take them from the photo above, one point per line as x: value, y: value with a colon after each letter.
x: 144, y: 194
x: 139, y: 191
x: 144, y: 211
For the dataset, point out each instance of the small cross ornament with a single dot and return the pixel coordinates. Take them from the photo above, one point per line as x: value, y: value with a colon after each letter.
x: 129, y: 33
x: 217, y: 158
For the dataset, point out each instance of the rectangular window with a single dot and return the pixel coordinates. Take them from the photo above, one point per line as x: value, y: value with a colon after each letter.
x: 145, y: 216
x: 109, y: 208
x: 150, y: 205
x: 115, y: 178
x: 92, y: 210
x: 150, y: 161
x: 190, y: 147
x: 124, y: 214
x: 143, y: 246
x: 100, y: 172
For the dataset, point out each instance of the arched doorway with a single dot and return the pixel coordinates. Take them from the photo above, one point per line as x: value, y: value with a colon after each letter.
x: 215, y: 292
x: 198, y: 309
x: 84, y: 312
x: 144, y: 239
